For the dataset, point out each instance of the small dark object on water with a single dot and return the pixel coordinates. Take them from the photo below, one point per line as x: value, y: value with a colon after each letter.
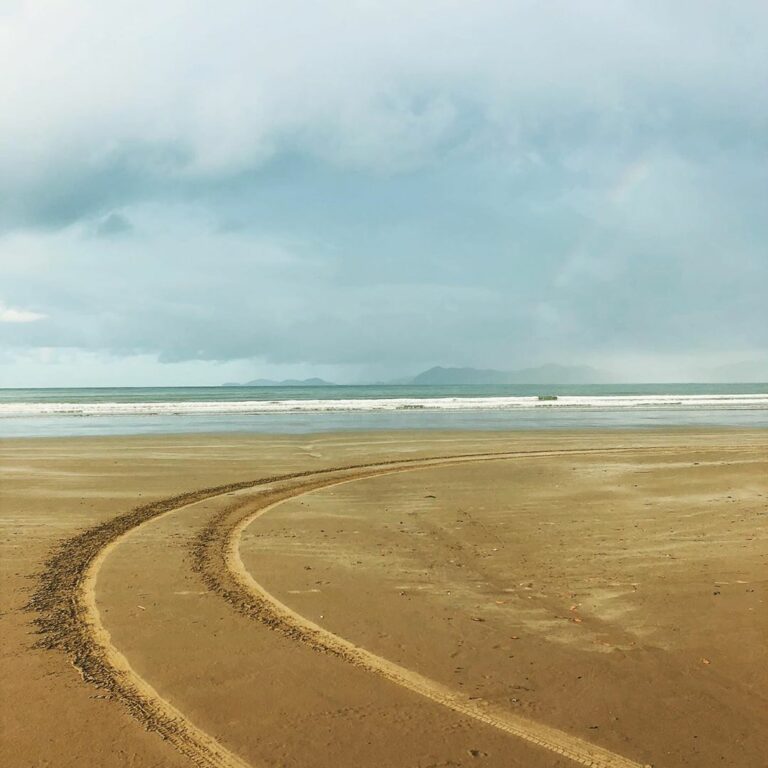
x: 547, y: 397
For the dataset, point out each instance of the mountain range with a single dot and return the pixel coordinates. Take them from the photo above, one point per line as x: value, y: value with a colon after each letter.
x: 315, y: 382
x: 439, y: 376
x: 543, y: 374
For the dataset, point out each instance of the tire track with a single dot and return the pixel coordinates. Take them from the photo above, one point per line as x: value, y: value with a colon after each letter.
x: 217, y: 558
x: 68, y: 618
x: 69, y: 621
x: 158, y: 713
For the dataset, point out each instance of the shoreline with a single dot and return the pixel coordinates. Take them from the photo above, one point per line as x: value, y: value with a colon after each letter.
x: 405, y: 431
x: 523, y: 420
x: 659, y: 430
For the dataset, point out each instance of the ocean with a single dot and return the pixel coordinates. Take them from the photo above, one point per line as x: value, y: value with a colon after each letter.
x: 170, y: 410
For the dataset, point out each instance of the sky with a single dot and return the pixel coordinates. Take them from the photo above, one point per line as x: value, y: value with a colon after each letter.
x: 195, y: 192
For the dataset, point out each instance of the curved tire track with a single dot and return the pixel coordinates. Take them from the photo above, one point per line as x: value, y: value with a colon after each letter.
x: 68, y: 618
x: 217, y: 558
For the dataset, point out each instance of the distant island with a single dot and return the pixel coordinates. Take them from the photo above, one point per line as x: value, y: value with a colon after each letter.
x: 543, y: 374
x: 284, y: 383
x: 439, y: 376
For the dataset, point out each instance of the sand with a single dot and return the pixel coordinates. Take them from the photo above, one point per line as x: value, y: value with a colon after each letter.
x: 444, y: 599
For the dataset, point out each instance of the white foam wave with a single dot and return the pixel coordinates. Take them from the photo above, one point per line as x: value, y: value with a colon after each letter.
x: 256, y: 407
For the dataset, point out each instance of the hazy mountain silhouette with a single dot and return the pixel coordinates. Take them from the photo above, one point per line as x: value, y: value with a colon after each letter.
x: 315, y: 382
x: 543, y: 374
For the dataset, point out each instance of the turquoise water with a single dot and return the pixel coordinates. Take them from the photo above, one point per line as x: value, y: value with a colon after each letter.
x: 360, y: 391
x: 105, y: 411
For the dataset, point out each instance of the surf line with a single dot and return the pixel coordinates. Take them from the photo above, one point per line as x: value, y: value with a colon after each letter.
x: 253, y: 599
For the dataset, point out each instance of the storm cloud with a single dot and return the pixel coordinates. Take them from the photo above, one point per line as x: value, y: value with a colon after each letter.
x: 365, y: 189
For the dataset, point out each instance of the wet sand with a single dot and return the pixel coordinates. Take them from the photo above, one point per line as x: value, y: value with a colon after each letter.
x: 563, y: 598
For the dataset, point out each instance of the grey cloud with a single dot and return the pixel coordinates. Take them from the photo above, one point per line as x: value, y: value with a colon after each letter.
x: 75, y: 188
x: 201, y: 103
x: 500, y: 184
x: 229, y: 306
x: 113, y: 225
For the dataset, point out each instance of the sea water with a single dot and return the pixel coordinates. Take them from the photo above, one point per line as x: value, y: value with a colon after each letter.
x: 113, y: 411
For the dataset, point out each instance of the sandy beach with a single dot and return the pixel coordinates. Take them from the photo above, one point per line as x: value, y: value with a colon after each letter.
x: 407, y: 599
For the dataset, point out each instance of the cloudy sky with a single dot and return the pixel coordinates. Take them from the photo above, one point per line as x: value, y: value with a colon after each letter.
x: 196, y: 192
